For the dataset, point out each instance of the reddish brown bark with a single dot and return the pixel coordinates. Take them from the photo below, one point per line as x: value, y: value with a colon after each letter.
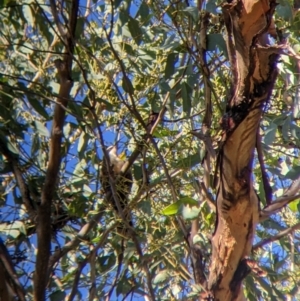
x: 44, y: 230
x: 254, y: 73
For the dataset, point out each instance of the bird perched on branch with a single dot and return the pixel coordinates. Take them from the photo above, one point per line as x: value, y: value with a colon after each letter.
x: 123, y: 183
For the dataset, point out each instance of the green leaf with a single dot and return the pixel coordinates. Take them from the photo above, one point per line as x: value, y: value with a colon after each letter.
x: 265, y: 286
x: 296, y: 47
x: 171, y: 209
x: 108, y: 106
x: 186, y: 97
x: 13, y: 230
x: 171, y: 104
x: 164, y: 86
x: 188, y: 201
x: 137, y: 171
x: 79, y: 205
x: 82, y: 143
x: 117, y: 3
x: 147, y: 55
x: 216, y: 40
x: 162, y: 276
x: 35, y: 146
x: 43, y: 26
x: 9, y: 144
x: 123, y: 18
x: 270, y: 134
x: 294, y: 173
x: 27, y: 13
x: 161, y: 132
x: 170, y: 43
x: 79, y: 171
x: 284, y: 10
x: 189, y: 161
x: 38, y: 107
x: 286, y: 128
x: 145, y: 207
x: 13, y: 233
x: 67, y: 129
x: 128, y: 48
x: 127, y: 85
x: 211, y: 6
x: 123, y: 286
x: 295, y: 131
x: 57, y: 296
x: 135, y: 30
x: 170, y: 66
x: 80, y: 27
x: 107, y: 263
x: 261, y: 193
x: 279, y: 294
x: 87, y: 191
x: 279, y: 120
x: 143, y: 12
x: 192, y: 11
x: 42, y: 130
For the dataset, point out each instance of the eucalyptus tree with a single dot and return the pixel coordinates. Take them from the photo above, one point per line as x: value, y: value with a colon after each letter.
x: 199, y: 101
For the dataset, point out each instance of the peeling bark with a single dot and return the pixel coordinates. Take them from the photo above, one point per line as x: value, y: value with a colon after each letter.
x: 254, y: 73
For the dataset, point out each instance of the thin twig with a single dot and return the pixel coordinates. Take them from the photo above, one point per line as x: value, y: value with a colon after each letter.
x: 279, y: 235
x: 277, y: 205
x: 183, y: 118
x: 87, y: 258
x: 264, y: 174
x: 25, y: 193
x: 12, y: 279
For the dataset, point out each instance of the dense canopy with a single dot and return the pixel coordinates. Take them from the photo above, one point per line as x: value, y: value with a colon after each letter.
x: 201, y: 100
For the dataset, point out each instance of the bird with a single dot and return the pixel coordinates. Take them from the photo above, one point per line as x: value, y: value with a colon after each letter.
x: 123, y: 183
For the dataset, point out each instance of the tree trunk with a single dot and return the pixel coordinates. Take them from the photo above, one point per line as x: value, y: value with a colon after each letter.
x: 253, y: 63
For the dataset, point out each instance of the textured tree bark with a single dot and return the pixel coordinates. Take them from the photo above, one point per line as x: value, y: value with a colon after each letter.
x: 254, y: 72
x: 64, y: 70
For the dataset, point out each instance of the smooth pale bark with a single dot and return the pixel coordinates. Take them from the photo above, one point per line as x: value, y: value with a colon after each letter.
x: 254, y: 72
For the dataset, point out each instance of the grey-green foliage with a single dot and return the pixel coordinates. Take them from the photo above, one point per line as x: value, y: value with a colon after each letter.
x: 136, y: 56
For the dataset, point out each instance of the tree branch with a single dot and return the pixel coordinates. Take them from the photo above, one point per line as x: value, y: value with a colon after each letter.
x: 11, y: 278
x: 276, y: 237
x: 277, y: 205
x: 86, y: 260
x: 267, y: 186
x: 44, y: 211
x: 254, y: 75
x: 291, y: 194
x: 73, y: 244
x: 25, y: 194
